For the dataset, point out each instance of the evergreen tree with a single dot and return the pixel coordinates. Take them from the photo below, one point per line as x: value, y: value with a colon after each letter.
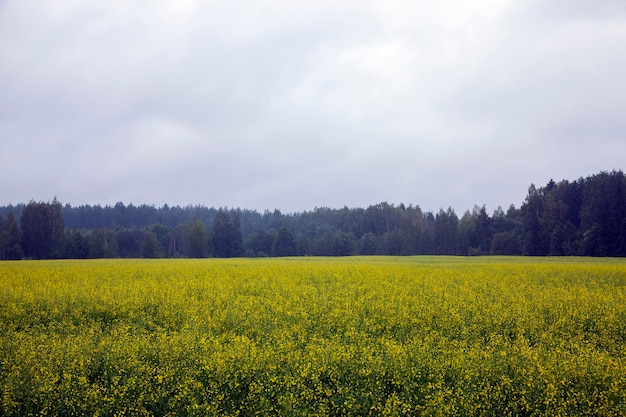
x: 10, y: 239
x: 236, y: 236
x: 395, y: 242
x: 77, y: 245
x: 260, y: 244
x: 150, y: 245
x: 533, y: 242
x: 586, y: 217
x: 368, y: 244
x: 198, y: 240
x: 284, y: 244
x: 222, y: 235
x: 603, y: 215
x: 446, y: 229
x: 130, y: 242
x: 42, y: 230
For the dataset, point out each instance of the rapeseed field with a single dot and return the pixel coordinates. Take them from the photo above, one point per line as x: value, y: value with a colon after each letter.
x: 432, y: 336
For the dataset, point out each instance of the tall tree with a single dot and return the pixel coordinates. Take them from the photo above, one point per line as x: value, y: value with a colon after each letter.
x: 533, y: 242
x: 222, y: 234
x: 198, y: 240
x: 10, y: 239
x: 260, y: 244
x: 76, y: 245
x: 150, y: 245
x: 475, y: 232
x: 42, y: 230
x: 103, y: 244
x: 130, y: 242
x: 446, y: 229
x: 505, y: 239
x: 603, y: 215
x: 236, y: 242
x: 368, y: 244
x: 395, y: 242
x: 284, y: 244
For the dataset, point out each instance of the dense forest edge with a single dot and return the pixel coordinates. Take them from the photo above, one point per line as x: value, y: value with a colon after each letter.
x: 586, y: 217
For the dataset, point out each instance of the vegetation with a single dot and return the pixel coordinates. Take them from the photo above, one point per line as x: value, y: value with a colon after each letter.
x: 585, y: 217
x: 314, y: 336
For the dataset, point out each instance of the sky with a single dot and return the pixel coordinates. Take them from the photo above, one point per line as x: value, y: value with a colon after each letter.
x: 293, y: 105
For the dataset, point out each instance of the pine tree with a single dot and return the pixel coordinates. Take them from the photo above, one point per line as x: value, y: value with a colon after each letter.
x: 222, y: 234
x: 10, y: 239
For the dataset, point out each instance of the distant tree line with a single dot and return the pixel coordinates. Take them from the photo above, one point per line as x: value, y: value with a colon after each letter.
x: 585, y: 217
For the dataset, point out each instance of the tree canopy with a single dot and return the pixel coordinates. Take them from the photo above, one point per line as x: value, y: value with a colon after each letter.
x: 585, y: 217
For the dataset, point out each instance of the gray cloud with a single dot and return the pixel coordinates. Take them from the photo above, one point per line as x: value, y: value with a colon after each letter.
x: 283, y: 105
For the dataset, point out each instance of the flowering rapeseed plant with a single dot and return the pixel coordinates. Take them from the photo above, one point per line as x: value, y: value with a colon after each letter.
x: 314, y: 336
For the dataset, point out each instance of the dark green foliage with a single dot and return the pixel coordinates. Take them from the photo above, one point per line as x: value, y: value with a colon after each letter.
x: 476, y: 230
x: 10, y: 238
x: 583, y: 217
x: 532, y: 211
x: 42, y: 230
x: 586, y: 217
x: 261, y: 243
x: 284, y: 244
x: 227, y: 237
x: 150, y: 245
x: 368, y: 244
x: 334, y: 243
x: 129, y: 243
x: 236, y: 243
x: 446, y: 230
x: 165, y: 237
x: 603, y: 215
x: 505, y: 243
x: 77, y: 245
x: 103, y: 244
x: 396, y: 242
x: 222, y: 234
x: 198, y: 240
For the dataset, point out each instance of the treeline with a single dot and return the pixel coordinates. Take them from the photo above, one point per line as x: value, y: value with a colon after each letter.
x: 585, y: 217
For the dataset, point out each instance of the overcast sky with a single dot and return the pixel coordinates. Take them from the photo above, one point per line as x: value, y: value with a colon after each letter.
x: 296, y: 105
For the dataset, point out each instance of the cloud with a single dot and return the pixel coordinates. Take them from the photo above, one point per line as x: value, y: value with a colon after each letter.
x: 296, y: 105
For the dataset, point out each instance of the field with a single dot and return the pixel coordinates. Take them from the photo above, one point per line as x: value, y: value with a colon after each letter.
x: 433, y: 336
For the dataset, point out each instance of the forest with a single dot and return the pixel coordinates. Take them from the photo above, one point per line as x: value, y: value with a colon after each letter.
x: 585, y: 217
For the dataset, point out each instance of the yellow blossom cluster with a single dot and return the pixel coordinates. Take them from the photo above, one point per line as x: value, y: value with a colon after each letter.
x: 432, y: 336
